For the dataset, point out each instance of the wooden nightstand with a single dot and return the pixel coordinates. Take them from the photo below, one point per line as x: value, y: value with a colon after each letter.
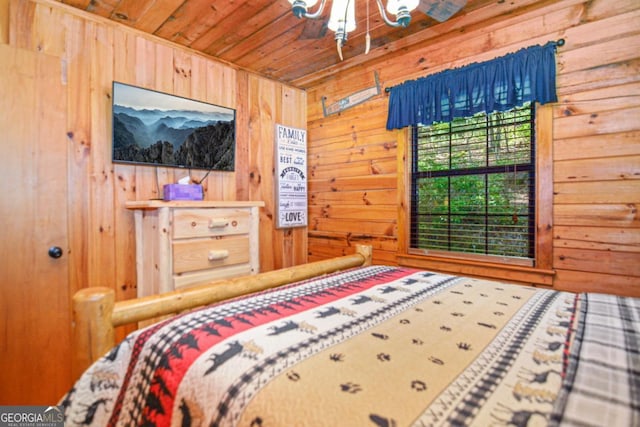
x: 183, y: 243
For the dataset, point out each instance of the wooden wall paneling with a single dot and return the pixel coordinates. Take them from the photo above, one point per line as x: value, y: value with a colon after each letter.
x: 220, y: 89
x: 337, y: 244
x: 404, y: 161
x: 182, y: 73
x: 600, y: 77
x: 354, y: 153
x: 361, y: 127
x: 145, y: 66
x: 226, y: 88
x: 594, y: 146
x: 356, y: 197
x: 175, y: 73
x: 578, y: 281
x: 78, y: 132
x: 368, y: 182
x: 222, y: 84
x: 213, y: 188
x: 358, y: 228
x: 382, y: 166
x: 172, y: 75
x: 45, y: 40
x: 270, y: 98
x: 600, y: 169
x: 597, y: 123
x: 387, y: 245
x: 102, y: 247
x: 597, y: 192
x: 281, y: 238
x: 387, y: 212
x: 21, y: 23
x: 4, y: 21
x: 599, y: 238
x: 598, y: 261
x: 261, y: 126
x: 544, y: 187
x: 125, y: 185
x: 614, y: 51
x: 245, y: 174
x: 353, y: 179
x: 269, y: 103
x: 600, y: 9
x: 602, y: 99
x: 592, y: 215
x: 125, y: 245
x: 290, y: 114
x: 364, y: 120
x: 596, y: 27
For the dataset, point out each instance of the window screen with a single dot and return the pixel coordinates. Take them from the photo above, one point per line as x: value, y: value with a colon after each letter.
x: 473, y: 185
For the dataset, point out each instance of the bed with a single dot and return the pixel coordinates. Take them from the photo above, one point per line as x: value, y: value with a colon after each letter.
x: 355, y: 344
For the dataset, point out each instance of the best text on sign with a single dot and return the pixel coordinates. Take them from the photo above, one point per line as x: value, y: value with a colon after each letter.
x: 291, y: 179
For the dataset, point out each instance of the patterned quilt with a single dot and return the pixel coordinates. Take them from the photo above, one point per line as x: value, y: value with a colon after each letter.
x: 375, y: 346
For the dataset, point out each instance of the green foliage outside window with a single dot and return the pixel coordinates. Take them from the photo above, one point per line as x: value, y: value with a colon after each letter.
x: 472, y: 185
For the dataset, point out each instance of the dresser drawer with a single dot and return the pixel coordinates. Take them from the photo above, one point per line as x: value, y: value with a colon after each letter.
x: 185, y: 280
x: 201, y: 254
x: 210, y: 222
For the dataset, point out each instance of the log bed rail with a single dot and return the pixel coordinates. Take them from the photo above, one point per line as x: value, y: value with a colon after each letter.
x: 96, y: 314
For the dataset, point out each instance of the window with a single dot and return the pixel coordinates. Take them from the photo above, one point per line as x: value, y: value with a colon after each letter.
x: 473, y: 187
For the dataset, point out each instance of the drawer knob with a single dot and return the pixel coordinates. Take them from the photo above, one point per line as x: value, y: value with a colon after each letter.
x: 218, y: 255
x: 218, y: 223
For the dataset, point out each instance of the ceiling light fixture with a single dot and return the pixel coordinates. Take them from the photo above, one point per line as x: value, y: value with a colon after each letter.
x: 343, y: 16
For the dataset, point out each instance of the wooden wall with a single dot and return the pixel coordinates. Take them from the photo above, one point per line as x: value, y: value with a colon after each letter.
x: 596, y: 137
x: 100, y: 245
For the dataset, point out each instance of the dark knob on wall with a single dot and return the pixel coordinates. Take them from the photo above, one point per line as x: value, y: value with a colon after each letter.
x: 55, y: 251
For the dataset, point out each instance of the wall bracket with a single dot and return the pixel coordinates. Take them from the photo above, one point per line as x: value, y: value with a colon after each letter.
x: 353, y: 99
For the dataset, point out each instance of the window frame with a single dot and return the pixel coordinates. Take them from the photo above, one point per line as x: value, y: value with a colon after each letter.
x: 495, y: 267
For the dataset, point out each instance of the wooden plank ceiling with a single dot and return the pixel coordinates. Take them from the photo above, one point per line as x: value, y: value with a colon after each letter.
x: 263, y: 36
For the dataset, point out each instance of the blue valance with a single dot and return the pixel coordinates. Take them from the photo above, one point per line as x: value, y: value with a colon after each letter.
x: 497, y: 85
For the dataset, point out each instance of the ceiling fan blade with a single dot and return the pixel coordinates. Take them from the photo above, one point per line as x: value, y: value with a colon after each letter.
x: 441, y: 10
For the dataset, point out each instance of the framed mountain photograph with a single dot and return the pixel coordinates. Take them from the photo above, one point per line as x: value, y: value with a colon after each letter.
x: 156, y: 128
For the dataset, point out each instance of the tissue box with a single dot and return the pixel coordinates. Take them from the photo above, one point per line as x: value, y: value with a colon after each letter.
x: 182, y: 192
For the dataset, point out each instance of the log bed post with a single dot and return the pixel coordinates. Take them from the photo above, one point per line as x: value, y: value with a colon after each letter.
x: 93, y: 331
x: 96, y: 314
x: 367, y: 253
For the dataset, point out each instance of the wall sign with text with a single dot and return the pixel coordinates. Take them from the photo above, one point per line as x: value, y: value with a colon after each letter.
x: 291, y: 177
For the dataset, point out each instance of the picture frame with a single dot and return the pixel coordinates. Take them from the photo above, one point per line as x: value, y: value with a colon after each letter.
x: 160, y: 129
